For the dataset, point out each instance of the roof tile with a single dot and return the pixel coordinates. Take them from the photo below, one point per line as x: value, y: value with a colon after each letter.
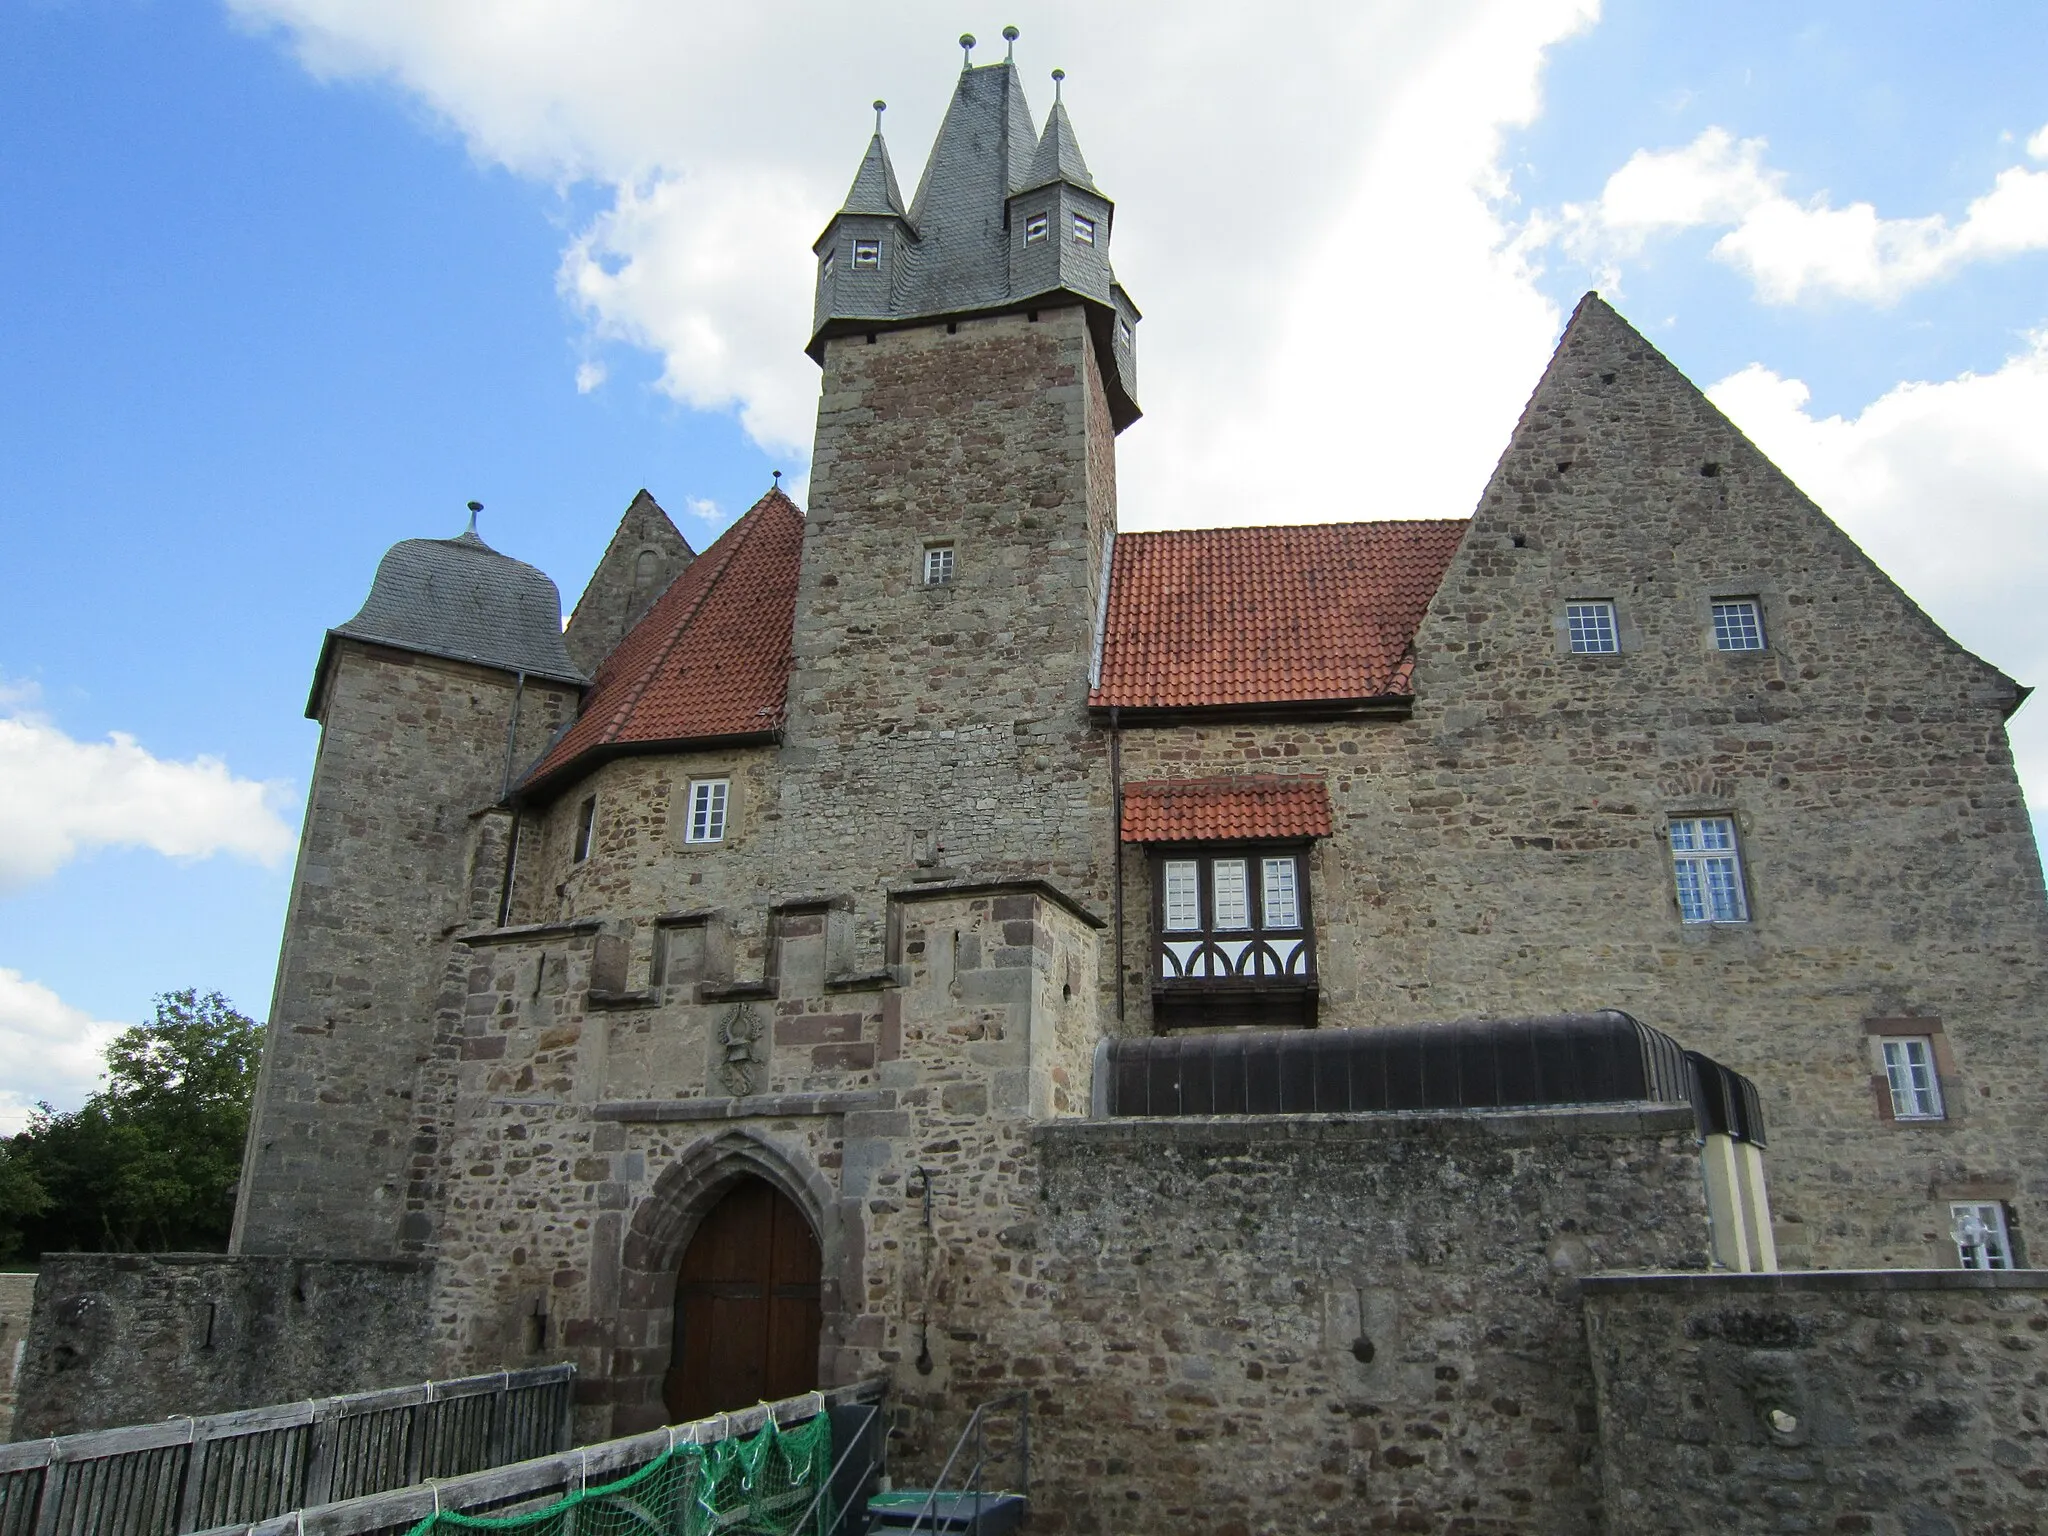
x: 711, y: 657
x: 1227, y: 808
x: 1237, y: 616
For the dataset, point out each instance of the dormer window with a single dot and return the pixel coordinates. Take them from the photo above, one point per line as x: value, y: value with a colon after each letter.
x: 1124, y: 334
x: 1084, y: 229
x: 825, y: 268
x: 1035, y: 227
x: 867, y: 255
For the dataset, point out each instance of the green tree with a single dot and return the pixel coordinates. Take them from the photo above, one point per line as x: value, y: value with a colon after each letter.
x: 150, y: 1161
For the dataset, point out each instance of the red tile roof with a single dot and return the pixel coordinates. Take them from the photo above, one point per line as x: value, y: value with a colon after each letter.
x: 1243, y: 616
x: 1238, y: 806
x: 711, y: 657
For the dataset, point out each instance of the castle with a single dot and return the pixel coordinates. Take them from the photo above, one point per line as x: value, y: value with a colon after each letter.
x: 724, y: 991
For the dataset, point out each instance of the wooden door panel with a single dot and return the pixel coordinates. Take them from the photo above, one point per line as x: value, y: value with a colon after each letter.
x: 747, y: 1306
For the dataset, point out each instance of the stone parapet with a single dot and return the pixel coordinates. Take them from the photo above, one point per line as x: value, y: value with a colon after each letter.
x: 123, y: 1338
x: 1858, y: 1400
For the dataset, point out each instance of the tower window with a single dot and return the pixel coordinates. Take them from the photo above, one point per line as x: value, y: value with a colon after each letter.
x: 1124, y: 333
x: 1708, y: 869
x: 1909, y: 1074
x: 938, y: 564
x: 1738, y: 625
x: 707, y: 810
x: 1590, y: 628
x: 1035, y: 227
x: 586, y: 823
x: 825, y: 267
x: 867, y: 255
x: 1084, y: 229
x: 1981, y: 1236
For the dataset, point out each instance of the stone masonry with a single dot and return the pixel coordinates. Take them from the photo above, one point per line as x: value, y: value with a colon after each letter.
x: 413, y: 749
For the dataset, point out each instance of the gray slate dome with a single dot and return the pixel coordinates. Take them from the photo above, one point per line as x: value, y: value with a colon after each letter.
x: 461, y: 599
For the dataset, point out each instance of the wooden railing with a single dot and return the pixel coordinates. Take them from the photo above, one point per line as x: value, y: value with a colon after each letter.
x: 228, y: 1470
x: 535, y: 1484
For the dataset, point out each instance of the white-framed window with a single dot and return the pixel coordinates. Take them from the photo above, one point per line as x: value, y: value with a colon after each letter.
x: 1738, y: 624
x: 708, y: 798
x: 1232, y: 906
x: 1182, y: 895
x: 1278, y: 891
x: 1084, y: 229
x: 867, y: 255
x: 1909, y: 1069
x: 1590, y: 628
x: 1124, y: 333
x: 938, y: 564
x: 1036, y: 227
x: 586, y: 824
x: 825, y: 267
x: 1982, y: 1238
x: 1708, y: 868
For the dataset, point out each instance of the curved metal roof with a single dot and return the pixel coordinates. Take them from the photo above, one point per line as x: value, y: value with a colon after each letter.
x: 461, y: 599
x: 1607, y: 1057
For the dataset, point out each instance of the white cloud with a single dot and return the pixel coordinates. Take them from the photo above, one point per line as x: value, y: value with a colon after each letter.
x: 698, y: 506
x: 49, y: 1050
x: 1351, y: 154
x: 1946, y: 485
x: 1788, y: 249
x: 2037, y: 146
x: 589, y: 376
x: 60, y: 798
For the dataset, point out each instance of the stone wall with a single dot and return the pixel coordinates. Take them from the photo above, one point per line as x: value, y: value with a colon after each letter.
x: 1307, y: 1323
x: 570, y: 1139
x: 412, y: 749
x: 1897, y: 1402
x: 127, y: 1338
x: 1502, y: 852
x: 17, y: 1297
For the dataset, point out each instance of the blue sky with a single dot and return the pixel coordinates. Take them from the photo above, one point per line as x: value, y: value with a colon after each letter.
x: 283, y: 281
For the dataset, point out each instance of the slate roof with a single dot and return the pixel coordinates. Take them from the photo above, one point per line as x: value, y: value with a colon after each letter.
x: 874, y: 189
x: 961, y: 259
x: 1221, y: 617
x: 1234, y: 806
x: 1059, y: 155
x: 461, y: 599
x: 710, y: 661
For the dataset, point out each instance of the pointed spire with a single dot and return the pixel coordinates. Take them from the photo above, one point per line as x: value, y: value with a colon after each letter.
x: 1059, y: 152
x: 874, y: 187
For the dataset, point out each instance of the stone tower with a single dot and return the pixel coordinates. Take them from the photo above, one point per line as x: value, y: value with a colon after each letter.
x: 449, y: 681
x: 979, y: 361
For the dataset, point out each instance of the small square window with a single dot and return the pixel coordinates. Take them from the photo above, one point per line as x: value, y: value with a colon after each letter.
x: 1124, y: 333
x: 1982, y: 1238
x: 1035, y: 227
x: 1084, y: 229
x: 1909, y: 1070
x: 1591, y: 628
x: 825, y: 268
x: 707, y: 811
x: 1738, y: 624
x: 586, y: 823
x: 867, y: 255
x: 938, y: 564
x: 1708, y: 869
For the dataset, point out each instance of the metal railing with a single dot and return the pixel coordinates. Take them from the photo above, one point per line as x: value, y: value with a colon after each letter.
x: 969, y: 1500
x: 531, y: 1485
x: 194, y: 1474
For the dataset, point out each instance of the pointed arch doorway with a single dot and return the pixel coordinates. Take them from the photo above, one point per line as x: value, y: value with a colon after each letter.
x: 747, y: 1306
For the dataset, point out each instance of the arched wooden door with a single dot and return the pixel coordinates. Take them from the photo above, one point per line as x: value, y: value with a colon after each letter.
x: 746, y: 1307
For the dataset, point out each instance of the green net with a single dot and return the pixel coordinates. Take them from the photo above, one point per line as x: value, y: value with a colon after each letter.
x: 763, y: 1485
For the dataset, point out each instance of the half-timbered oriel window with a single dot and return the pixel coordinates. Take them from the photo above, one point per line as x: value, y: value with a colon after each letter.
x: 1235, y: 940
